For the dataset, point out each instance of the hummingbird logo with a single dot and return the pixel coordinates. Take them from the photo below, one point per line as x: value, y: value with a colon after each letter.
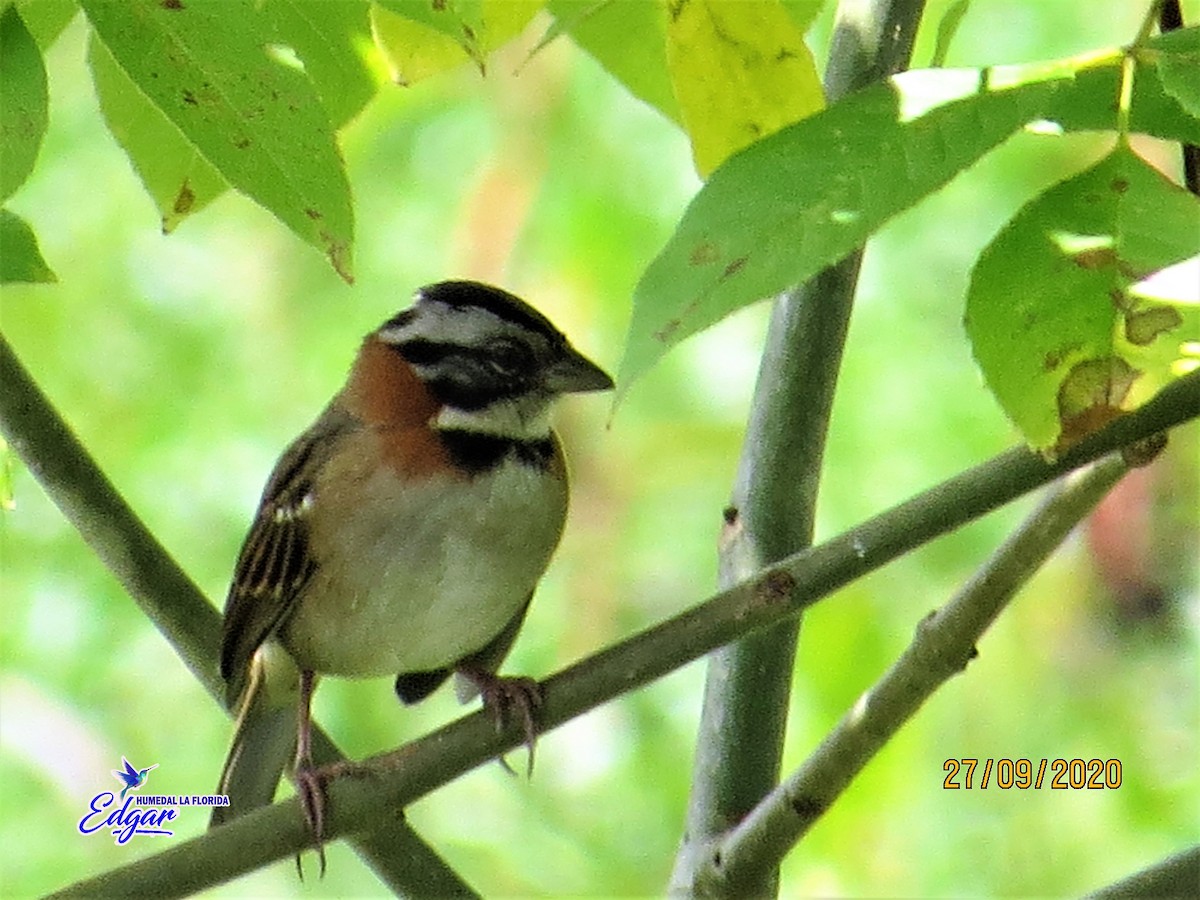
x: 130, y: 777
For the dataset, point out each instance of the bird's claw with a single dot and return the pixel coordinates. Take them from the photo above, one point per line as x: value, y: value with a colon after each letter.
x: 310, y: 787
x: 503, y: 695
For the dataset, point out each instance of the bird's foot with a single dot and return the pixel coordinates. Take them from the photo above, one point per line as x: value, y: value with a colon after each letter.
x: 310, y: 787
x: 505, y: 695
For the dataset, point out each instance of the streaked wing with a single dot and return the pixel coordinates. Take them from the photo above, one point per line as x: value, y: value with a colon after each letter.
x: 275, y: 562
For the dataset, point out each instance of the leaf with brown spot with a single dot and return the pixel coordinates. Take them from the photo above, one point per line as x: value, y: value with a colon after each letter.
x: 740, y: 71
x: 734, y: 267
x: 179, y: 180
x: 206, y: 69
x: 1099, y: 258
x: 1144, y: 326
x: 704, y: 254
x: 1091, y: 396
x: 1057, y: 287
x: 184, y: 200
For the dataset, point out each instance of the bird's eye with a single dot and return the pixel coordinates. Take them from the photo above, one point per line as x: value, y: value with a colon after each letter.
x: 509, y: 357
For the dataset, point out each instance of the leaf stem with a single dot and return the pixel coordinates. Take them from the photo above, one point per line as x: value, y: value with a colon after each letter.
x: 1129, y: 63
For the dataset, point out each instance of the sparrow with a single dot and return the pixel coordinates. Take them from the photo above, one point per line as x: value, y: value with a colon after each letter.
x: 404, y: 532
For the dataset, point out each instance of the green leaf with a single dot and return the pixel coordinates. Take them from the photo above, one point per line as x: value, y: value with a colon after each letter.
x: 459, y: 20
x: 781, y: 210
x: 947, y: 29
x: 741, y: 71
x: 46, y: 19
x: 1065, y: 320
x: 1179, y: 67
x: 20, y: 258
x: 414, y: 50
x: 333, y: 40
x: 628, y: 40
x: 175, y: 175
x: 1092, y: 102
x: 250, y: 113
x: 803, y: 12
x: 788, y: 206
x: 23, y: 102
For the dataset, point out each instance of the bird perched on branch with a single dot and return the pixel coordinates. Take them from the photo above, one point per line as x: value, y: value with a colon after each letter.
x: 404, y: 532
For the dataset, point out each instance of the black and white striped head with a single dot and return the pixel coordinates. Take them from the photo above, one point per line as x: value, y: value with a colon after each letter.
x: 492, y: 361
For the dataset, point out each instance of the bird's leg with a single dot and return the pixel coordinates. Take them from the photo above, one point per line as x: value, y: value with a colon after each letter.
x: 308, y: 780
x: 502, y: 695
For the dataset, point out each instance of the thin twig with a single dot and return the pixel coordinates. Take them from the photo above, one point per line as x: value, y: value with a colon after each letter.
x: 943, y: 645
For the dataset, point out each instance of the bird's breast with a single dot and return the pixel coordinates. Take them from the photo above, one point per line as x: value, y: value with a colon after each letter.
x: 420, y: 572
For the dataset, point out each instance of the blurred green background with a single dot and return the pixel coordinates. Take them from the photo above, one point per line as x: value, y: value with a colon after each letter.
x: 185, y: 363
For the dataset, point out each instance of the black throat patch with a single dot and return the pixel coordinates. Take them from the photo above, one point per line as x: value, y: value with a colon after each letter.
x: 477, y: 453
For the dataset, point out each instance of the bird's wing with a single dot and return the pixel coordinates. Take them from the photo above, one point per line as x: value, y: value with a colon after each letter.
x: 275, y: 561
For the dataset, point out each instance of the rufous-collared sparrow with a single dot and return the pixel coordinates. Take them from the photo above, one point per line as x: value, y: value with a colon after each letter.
x: 405, y: 531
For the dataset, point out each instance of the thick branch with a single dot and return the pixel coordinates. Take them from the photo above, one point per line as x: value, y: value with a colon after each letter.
x: 168, y: 597
x: 398, y: 778
x: 943, y: 645
x: 1174, y: 878
x: 748, y: 684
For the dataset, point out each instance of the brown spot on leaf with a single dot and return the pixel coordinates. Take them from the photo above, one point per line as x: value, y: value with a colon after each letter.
x: 1142, y: 327
x: 1119, y: 185
x: 1091, y: 396
x: 1120, y: 300
x: 703, y: 254
x: 242, y: 143
x: 312, y: 213
x: 675, y: 8
x: 664, y: 334
x: 734, y: 267
x: 730, y: 514
x: 184, y: 200
x: 339, y: 256
x: 1098, y: 258
x: 189, y: 98
x: 1056, y: 358
x: 171, y: 4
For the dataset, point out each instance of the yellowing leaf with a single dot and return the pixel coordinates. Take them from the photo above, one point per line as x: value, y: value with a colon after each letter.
x: 741, y: 71
x: 416, y: 49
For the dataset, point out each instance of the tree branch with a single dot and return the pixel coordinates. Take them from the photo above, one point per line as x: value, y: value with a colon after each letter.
x: 1174, y: 878
x: 748, y: 684
x: 391, y: 781
x: 169, y: 598
x: 943, y: 645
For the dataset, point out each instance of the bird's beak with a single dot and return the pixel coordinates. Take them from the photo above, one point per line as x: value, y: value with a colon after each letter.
x: 574, y: 373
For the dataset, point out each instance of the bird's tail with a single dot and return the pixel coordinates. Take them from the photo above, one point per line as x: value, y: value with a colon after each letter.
x: 264, y: 740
